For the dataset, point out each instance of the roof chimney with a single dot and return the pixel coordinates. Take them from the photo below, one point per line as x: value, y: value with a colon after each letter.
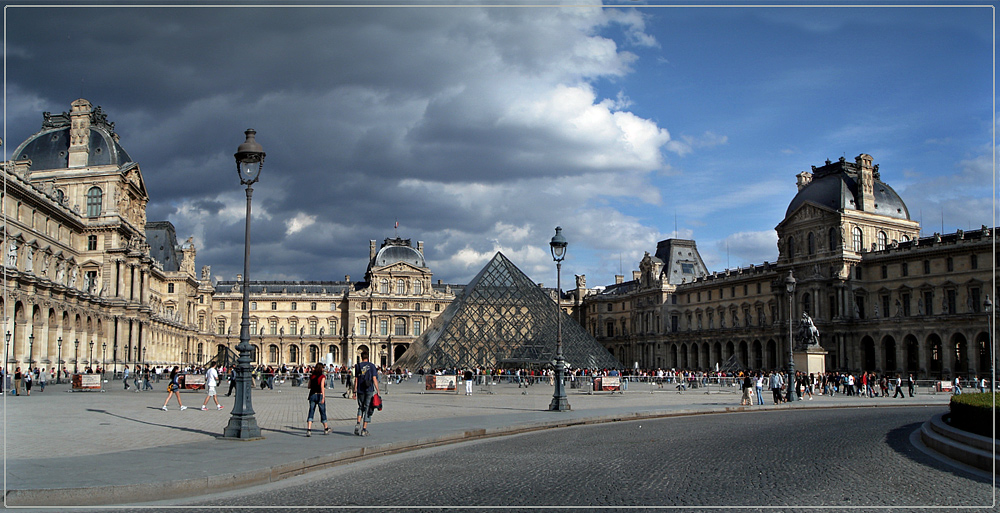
x: 79, y: 133
x: 866, y: 183
x: 803, y: 179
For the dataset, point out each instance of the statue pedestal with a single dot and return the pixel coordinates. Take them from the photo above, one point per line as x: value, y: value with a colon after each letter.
x: 811, y: 361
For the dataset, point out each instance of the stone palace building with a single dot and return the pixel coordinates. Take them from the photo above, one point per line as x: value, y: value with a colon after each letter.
x: 88, y: 280
x: 883, y: 298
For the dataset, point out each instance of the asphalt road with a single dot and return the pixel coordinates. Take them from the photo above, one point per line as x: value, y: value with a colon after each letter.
x: 815, y: 459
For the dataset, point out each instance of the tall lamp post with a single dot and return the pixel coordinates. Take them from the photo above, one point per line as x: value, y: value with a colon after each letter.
x: 790, y: 287
x: 59, y: 362
x: 558, y: 247
x: 988, y: 307
x: 242, y: 422
x: 31, y: 350
x: 76, y: 355
x: 104, y: 359
x: 90, y: 356
x: 6, y: 355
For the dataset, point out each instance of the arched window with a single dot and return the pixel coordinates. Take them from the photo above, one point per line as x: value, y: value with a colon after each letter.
x: 857, y: 242
x: 831, y: 239
x: 272, y: 355
x: 94, y: 197
x: 385, y: 306
x: 791, y: 248
x: 811, y: 243
x: 293, y: 354
x: 384, y: 286
x: 400, y: 328
x: 400, y: 287
x: 313, y: 354
x: 416, y: 307
x: 418, y: 287
x: 882, y: 241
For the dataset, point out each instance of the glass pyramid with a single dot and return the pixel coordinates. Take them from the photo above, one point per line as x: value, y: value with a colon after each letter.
x: 503, y: 320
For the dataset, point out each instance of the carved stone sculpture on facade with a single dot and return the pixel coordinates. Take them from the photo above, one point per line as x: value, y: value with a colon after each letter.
x: 12, y: 254
x: 29, y: 260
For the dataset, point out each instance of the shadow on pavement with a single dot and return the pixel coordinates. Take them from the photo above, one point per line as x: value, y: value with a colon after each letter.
x: 899, y: 440
x: 180, y: 428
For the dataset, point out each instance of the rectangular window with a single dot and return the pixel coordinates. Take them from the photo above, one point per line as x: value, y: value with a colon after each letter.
x: 312, y: 306
x: 400, y: 328
x: 674, y: 321
x: 885, y: 272
x: 950, y: 264
x: 274, y: 305
x: 222, y: 327
x: 332, y: 326
x: 222, y: 305
x: 313, y: 326
x: 253, y: 305
x: 929, y: 302
x: 91, y: 242
x: 333, y: 306
x: 857, y: 272
x: 416, y: 328
x: 974, y: 261
x: 904, y: 269
x: 885, y: 306
x: 974, y: 302
x: 905, y: 298
x: 170, y: 288
x: 295, y: 306
x: 273, y: 327
x: 951, y: 296
x: 927, y: 266
x: 362, y: 327
x: 383, y: 327
x: 859, y: 306
x: 253, y: 326
x: 293, y: 326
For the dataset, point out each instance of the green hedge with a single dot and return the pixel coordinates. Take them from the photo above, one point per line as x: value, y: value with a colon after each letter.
x: 975, y: 413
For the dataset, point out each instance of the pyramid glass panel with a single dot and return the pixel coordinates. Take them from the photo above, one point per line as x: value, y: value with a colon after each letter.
x: 503, y: 320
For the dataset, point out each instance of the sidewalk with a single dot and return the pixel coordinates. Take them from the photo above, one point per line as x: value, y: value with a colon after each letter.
x: 93, y: 448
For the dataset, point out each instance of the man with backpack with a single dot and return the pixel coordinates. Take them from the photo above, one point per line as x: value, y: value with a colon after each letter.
x: 365, y: 388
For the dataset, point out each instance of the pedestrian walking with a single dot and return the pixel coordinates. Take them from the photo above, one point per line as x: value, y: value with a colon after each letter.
x: 759, y: 386
x: 232, y: 381
x: 899, y: 387
x: 174, y: 387
x: 776, y: 383
x: 18, y: 378
x: 125, y: 377
x: 211, y: 381
x: 317, y: 398
x: 956, y: 386
x: 146, y: 371
x: 365, y: 388
x: 41, y: 380
x: 747, y: 399
x: 350, y: 383
x: 467, y: 376
x: 27, y: 382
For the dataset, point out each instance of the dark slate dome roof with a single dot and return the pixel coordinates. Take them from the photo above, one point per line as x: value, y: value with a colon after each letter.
x: 390, y: 254
x: 49, y: 149
x: 835, y: 186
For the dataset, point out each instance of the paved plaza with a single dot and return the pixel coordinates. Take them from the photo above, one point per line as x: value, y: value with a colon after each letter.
x: 94, y: 448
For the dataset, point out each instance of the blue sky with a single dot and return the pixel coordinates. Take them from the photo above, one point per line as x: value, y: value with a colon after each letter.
x: 482, y: 128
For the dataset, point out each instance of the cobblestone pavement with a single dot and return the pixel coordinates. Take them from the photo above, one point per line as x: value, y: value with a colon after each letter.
x: 856, y: 458
x: 119, y: 447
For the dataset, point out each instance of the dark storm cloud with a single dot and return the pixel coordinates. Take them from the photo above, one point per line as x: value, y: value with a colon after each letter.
x: 450, y: 120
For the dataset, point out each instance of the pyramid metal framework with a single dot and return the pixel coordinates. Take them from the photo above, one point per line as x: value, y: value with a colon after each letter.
x: 503, y: 320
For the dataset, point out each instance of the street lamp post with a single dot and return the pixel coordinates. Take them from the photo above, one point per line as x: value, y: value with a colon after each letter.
x: 59, y: 362
x: 31, y: 350
x: 6, y: 354
x: 90, y: 356
x: 988, y: 307
x: 76, y: 355
x: 104, y: 359
x: 790, y: 287
x: 242, y: 422
x: 558, y: 247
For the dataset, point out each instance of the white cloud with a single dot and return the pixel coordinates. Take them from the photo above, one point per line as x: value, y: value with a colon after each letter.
x: 298, y: 223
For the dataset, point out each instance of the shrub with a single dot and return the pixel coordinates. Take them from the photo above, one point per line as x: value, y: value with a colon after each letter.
x: 974, y: 413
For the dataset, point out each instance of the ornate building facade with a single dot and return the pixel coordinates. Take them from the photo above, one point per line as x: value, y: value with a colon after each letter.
x: 81, y: 284
x: 298, y: 323
x: 884, y: 298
